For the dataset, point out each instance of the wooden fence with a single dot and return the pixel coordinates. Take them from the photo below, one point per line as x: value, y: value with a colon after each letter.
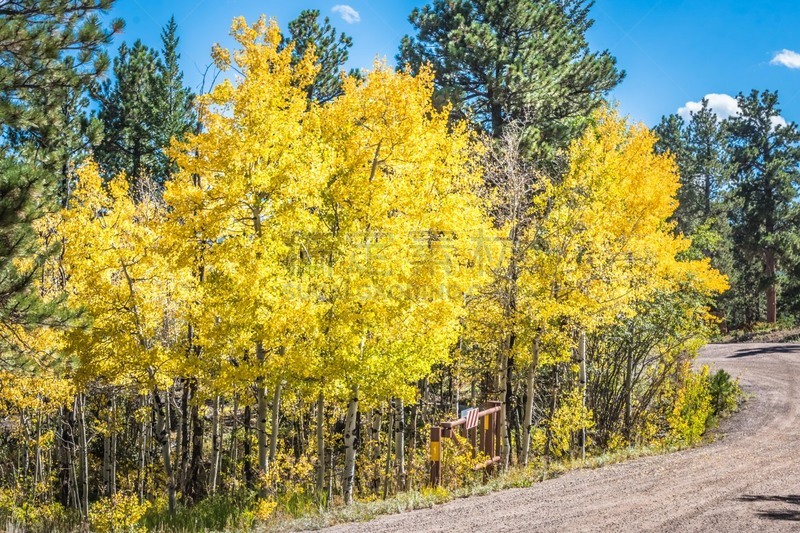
x: 485, y: 437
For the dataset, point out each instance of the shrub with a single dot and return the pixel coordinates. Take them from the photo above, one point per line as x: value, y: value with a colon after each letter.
x: 692, y: 410
x: 118, y: 513
x: 725, y: 393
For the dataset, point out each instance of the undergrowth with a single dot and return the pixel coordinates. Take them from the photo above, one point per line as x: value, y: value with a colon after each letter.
x: 712, y: 397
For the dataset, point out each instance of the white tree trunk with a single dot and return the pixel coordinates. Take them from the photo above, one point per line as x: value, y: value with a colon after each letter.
x: 261, y: 422
x: 320, y: 444
x: 216, y: 444
x: 582, y: 378
x: 349, y: 474
x: 273, y: 436
x: 531, y: 388
x: 400, y: 444
x: 162, y: 435
x: 84, y: 454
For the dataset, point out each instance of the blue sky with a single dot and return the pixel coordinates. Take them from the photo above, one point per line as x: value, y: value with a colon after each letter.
x: 675, y: 52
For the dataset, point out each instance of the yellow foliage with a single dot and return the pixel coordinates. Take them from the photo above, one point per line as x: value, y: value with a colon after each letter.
x: 691, y: 406
x: 400, y: 215
x: 458, y: 463
x: 44, y: 393
x: 241, y: 215
x: 120, y: 512
x: 604, y: 237
x: 569, y: 417
x: 263, y: 509
x: 120, y: 280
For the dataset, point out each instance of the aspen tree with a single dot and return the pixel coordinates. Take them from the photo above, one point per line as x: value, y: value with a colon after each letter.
x: 246, y: 187
x: 400, y: 213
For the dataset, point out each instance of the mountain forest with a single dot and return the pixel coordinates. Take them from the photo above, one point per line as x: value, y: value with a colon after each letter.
x: 249, y: 301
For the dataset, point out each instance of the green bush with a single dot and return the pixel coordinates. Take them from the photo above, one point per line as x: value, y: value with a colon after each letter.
x: 725, y: 393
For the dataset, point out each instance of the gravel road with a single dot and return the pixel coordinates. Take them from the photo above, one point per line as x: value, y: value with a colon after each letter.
x: 748, y: 480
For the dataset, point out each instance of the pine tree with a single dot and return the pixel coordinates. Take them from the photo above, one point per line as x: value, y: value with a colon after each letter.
x: 24, y: 199
x: 142, y: 109
x: 64, y: 140
x: 700, y: 150
x: 45, y: 46
x: 698, y: 147
x: 50, y: 51
x: 765, y: 158
x: 128, y: 112
x: 505, y: 60
x: 175, y: 100
x: 330, y: 49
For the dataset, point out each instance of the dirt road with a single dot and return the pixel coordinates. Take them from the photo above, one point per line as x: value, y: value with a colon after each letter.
x: 748, y: 480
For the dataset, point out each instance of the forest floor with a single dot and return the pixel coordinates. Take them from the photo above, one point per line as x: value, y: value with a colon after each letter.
x: 748, y: 479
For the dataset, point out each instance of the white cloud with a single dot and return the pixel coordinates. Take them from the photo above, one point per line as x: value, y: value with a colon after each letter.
x: 778, y: 121
x: 723, y: 105
x: 348, y: 14
x: 786, y: 58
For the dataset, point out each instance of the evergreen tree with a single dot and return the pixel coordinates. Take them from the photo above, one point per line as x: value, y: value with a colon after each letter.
x: 698, y: 147
x: 504, y: 60
x: 710, y: 170
x: 672, y: 139
x: 50, y: 51
x: 144, y: 107
x: 765, y: 159
x: 24, y: 199
x: 48, y: 46
x: 175, y: 100
x: 59, y: 144
x: 129, y: 114
x: 331, y: 50
x: 700, y: 150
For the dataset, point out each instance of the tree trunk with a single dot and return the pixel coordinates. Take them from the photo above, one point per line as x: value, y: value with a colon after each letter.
x: 273, y: 436
x: 261, y: 418
x: 162, y: 435
x: 375, y: 447
x: 109, y: 450
x: 772, y: 294
x: 528, y: 416
x: 349, y: 474
x: 320, y: 444
x: 182, y: 438
x: 65, y: 449
x: 505, y: 389
x: 216, y: 444
x: 582, y: 379
x: 392, y: 418
x: 114, y: 437
x: 233, y: 456
x: 247, y: 450
x: 107, y: 453
x: 142, y: 475
x: 194, y: 488
x: 400, y: 445
x: 84, y: 454
x: 412, y: 455
x: 38, y: 467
